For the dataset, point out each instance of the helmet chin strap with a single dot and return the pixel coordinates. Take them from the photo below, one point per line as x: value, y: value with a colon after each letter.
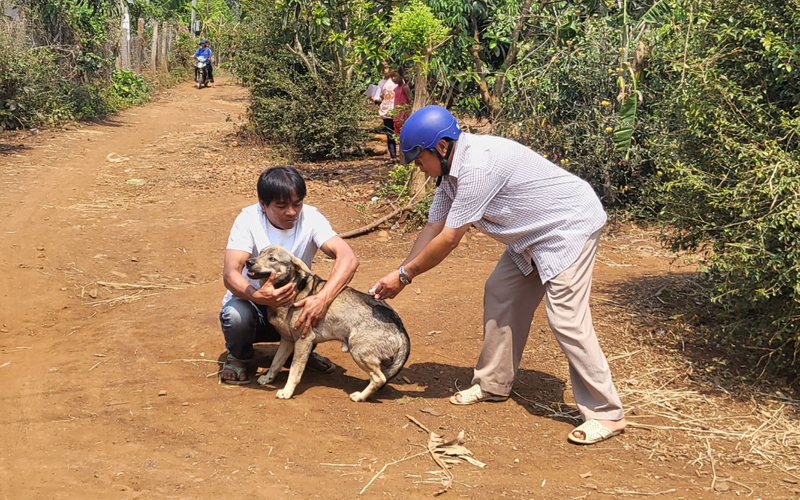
x: 443, y: 160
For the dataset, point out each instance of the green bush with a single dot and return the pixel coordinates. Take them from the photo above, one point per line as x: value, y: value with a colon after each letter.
x: 87, y: 101
x: 127, y: 89
x: 259, y: 43
x: 315, y: 119
x: 30, y: 86
x: 180, y: 57
x: 729, y: 158
x: 398, y: 188
x: 562, y: 102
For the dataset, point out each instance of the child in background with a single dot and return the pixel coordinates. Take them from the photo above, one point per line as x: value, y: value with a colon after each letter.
x: 402, y: 100
x: 386, y: 112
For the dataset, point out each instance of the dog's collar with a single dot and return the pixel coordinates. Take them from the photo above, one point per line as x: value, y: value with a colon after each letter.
x: 303, y: 284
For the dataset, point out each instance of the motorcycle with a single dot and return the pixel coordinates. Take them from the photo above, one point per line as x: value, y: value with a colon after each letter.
x: 201, y: 72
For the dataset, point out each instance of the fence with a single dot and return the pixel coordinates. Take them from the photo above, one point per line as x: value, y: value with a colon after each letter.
x: 141, y: 53
x: 140, y: 45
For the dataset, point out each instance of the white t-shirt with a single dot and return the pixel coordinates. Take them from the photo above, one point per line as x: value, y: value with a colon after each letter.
x: 387, y: 94
x: 252, y: 232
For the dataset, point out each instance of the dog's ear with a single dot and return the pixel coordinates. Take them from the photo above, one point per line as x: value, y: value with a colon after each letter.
x: 299, y: 265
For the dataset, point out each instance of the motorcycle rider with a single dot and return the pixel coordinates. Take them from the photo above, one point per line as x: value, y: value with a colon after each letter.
x: 204, y: 51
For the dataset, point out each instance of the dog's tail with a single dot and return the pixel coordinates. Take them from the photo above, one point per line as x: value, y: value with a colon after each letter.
x: 397, y: 362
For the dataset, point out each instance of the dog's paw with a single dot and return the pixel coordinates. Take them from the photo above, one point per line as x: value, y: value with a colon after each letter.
x: 357, y: 397
x: 283, y: 394
x: 265, y: 379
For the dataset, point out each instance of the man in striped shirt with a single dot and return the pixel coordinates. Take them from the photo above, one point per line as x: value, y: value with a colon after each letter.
x: 550, y: 221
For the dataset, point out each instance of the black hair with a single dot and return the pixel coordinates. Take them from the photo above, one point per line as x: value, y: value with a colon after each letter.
x: 279, y: 184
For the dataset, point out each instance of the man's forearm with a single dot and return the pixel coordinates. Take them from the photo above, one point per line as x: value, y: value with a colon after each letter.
x: 428, y: 233
x: 343, y: 271
x: 239, y: 286
x: 431, y: 255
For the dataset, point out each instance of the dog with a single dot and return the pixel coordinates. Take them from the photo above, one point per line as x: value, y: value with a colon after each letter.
x: 368, y: 328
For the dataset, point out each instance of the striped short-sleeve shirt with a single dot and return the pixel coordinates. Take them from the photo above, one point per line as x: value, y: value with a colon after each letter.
x: 543, y: 213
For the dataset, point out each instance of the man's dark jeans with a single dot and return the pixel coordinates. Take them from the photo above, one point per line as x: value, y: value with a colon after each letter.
x: 243, y: 324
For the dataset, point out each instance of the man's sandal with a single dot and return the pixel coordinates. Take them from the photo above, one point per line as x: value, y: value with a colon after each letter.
x: 593, y: 431
x: 474, y: 395
x: 238, y: 371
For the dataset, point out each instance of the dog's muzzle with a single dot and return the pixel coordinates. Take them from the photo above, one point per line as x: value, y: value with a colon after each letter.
x: 255, y: 274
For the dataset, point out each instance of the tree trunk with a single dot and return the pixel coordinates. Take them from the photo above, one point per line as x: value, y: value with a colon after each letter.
x: 418, y: 178
x: 154, y: 50
x: 164, y: 54
x: 513, y: 49
x: 420, y: 89
x: 124, y: 39
x: 489, y: 99
x: 139, y: 45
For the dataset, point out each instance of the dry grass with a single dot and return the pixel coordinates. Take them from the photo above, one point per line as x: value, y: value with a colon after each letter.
x: 136, y: 291
x: 669, y: 390
x: 766, y: 434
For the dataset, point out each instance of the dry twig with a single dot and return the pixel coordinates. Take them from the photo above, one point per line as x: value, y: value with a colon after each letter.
x: 373, y: 225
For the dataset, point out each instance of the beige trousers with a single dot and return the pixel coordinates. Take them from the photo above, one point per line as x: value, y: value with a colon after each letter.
x: 510, y: 298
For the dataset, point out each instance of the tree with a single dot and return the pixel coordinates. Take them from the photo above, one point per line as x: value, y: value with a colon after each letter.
x: 332, y: 37
x: 490, y: 36
x: 415, y: 34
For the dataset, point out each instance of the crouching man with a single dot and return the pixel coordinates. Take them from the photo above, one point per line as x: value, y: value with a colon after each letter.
x: 279, y: 218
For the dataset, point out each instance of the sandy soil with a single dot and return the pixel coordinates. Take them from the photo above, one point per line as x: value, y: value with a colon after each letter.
x: 111, y: 243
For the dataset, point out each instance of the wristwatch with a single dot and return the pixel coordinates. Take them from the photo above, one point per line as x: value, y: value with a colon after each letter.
x: 404, y: 279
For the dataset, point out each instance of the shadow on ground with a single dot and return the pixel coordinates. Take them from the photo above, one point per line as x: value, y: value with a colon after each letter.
x: 541, y: 394
x: 9, y: 149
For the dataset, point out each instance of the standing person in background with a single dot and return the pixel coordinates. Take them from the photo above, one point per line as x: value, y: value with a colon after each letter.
x: 402, y: 100
x: 385, y: 77
x: 386, y: 112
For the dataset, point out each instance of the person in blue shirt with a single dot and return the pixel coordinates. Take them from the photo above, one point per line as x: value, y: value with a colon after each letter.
x: 204, y: 51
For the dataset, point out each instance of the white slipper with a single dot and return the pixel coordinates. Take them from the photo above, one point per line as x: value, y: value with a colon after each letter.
x: 594, y: 432
x: 474, y: 395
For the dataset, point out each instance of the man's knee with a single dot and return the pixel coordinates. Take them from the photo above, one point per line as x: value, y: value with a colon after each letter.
x: 495, y: 291
x: 237, y: 315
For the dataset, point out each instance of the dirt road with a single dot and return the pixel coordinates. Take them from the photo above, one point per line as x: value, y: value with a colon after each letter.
x: 111, y: 241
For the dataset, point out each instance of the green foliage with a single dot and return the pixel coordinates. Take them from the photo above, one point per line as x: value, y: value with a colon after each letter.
x: 397, y: 185
x: 260, y: 42
x: 414, y: 31
x: 563, y: 103
x: 314, y: 119
x: 79, y: 26
x: 397, y: 188
x: 623, y: 134
x: 57, y: 71
x: 86, y: 101
x: 29, y: 86
x: 321, y: 38
x: 182, y: 54
x: 127, y: 89
x: 299, y: 59
x: 728, y: 145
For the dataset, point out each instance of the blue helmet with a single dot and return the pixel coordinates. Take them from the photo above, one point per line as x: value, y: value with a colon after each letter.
x: 423, y: 129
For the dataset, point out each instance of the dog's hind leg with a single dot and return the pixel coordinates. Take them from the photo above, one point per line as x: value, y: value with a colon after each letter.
x: 302, y: 350
x: 376, y: 378
x: 284, y: 351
